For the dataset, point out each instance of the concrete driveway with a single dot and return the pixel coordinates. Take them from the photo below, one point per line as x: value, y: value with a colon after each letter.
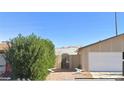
x: 107, y: 75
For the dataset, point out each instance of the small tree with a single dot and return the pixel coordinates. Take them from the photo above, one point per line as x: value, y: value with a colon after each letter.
x: 30, y: 57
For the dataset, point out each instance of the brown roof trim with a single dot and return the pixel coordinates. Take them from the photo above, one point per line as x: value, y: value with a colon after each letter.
x: 100, y: 41
x: 2, y: 51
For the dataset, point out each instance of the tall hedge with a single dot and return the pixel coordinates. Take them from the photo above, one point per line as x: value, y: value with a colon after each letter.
x: 30, y: 57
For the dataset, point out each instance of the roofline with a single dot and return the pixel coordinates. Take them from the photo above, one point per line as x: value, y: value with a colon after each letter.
x: 100, y: 41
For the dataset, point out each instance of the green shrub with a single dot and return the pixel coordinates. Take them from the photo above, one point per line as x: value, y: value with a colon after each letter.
x: 30, y: 57
x: 79, y: 66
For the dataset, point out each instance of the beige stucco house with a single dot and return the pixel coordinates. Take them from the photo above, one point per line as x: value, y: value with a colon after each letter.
x: 67, y: 58
x: 105, y: 55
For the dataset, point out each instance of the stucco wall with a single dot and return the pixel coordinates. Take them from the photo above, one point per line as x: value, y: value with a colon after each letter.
x: 73, y: 60
x: 115, y: 44
x: 58, y: 62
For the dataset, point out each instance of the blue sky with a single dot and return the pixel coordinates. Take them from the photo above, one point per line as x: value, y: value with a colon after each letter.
x: 64, y: 29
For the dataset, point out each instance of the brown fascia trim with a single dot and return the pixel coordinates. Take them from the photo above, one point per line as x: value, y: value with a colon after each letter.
x: 99, y: 42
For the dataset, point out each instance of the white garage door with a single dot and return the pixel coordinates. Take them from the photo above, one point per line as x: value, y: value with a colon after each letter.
x: 105, y: 61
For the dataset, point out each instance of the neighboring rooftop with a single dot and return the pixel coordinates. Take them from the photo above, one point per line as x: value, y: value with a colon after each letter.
x: 71, y: 50
x: 3, y: 47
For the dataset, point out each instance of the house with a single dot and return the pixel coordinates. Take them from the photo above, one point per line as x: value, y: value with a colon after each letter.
x: 67, y: 58
x: 3, y: 65
x: 105, y: 55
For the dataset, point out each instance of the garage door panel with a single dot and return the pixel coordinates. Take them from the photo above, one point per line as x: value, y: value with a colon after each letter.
x: 106, y: 61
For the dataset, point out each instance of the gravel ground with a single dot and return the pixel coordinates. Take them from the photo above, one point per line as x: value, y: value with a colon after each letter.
x: 60, y: 76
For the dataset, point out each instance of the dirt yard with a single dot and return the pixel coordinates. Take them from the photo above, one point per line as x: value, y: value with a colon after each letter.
x: 60, y: 76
